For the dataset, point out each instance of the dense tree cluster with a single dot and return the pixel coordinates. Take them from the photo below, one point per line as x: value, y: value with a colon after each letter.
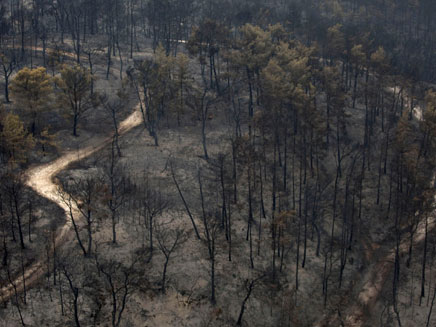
x: 405, y: 28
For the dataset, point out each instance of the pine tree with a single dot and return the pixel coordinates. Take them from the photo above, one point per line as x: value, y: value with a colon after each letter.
x: 75, y: 93
x: 32, y: 89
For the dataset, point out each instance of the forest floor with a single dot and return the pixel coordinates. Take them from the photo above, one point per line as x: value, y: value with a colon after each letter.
x: 186, y: 301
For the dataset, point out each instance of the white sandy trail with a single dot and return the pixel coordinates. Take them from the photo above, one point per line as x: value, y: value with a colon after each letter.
x: 40, y: 179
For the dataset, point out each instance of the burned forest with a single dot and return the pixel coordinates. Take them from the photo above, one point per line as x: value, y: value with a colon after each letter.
x: 217, y: 163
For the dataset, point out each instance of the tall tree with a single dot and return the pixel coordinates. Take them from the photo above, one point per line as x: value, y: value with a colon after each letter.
x: 8, y: 61
x: 15, y: 141
x: 31, y: 89
x: 206, y: 41
x: 75, y: 94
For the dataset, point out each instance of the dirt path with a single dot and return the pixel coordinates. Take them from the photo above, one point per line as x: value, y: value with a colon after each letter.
x: 372, y: 284
x: 376, y: 277
x: 356, y: 314
x: 40, y: 178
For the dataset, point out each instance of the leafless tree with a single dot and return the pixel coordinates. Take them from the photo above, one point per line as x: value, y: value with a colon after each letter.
x: 85, y: 193
x: 8, y: 62
x: 15, y: 192
x: 67, y: 266
x: 120, y: 281
x: 200, y: 102
x: 169, y: 238
x: 113, y: 108
x: 185, y: 203
x: 67, y: 199
x: 249, y: 287
x: 212, y: 227
x: 116, y: 189
x: 153, y: 204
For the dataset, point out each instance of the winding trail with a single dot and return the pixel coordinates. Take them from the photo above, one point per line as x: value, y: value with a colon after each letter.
x: 376, y: 277
x: 40, y: 178
x: 356, y: 313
